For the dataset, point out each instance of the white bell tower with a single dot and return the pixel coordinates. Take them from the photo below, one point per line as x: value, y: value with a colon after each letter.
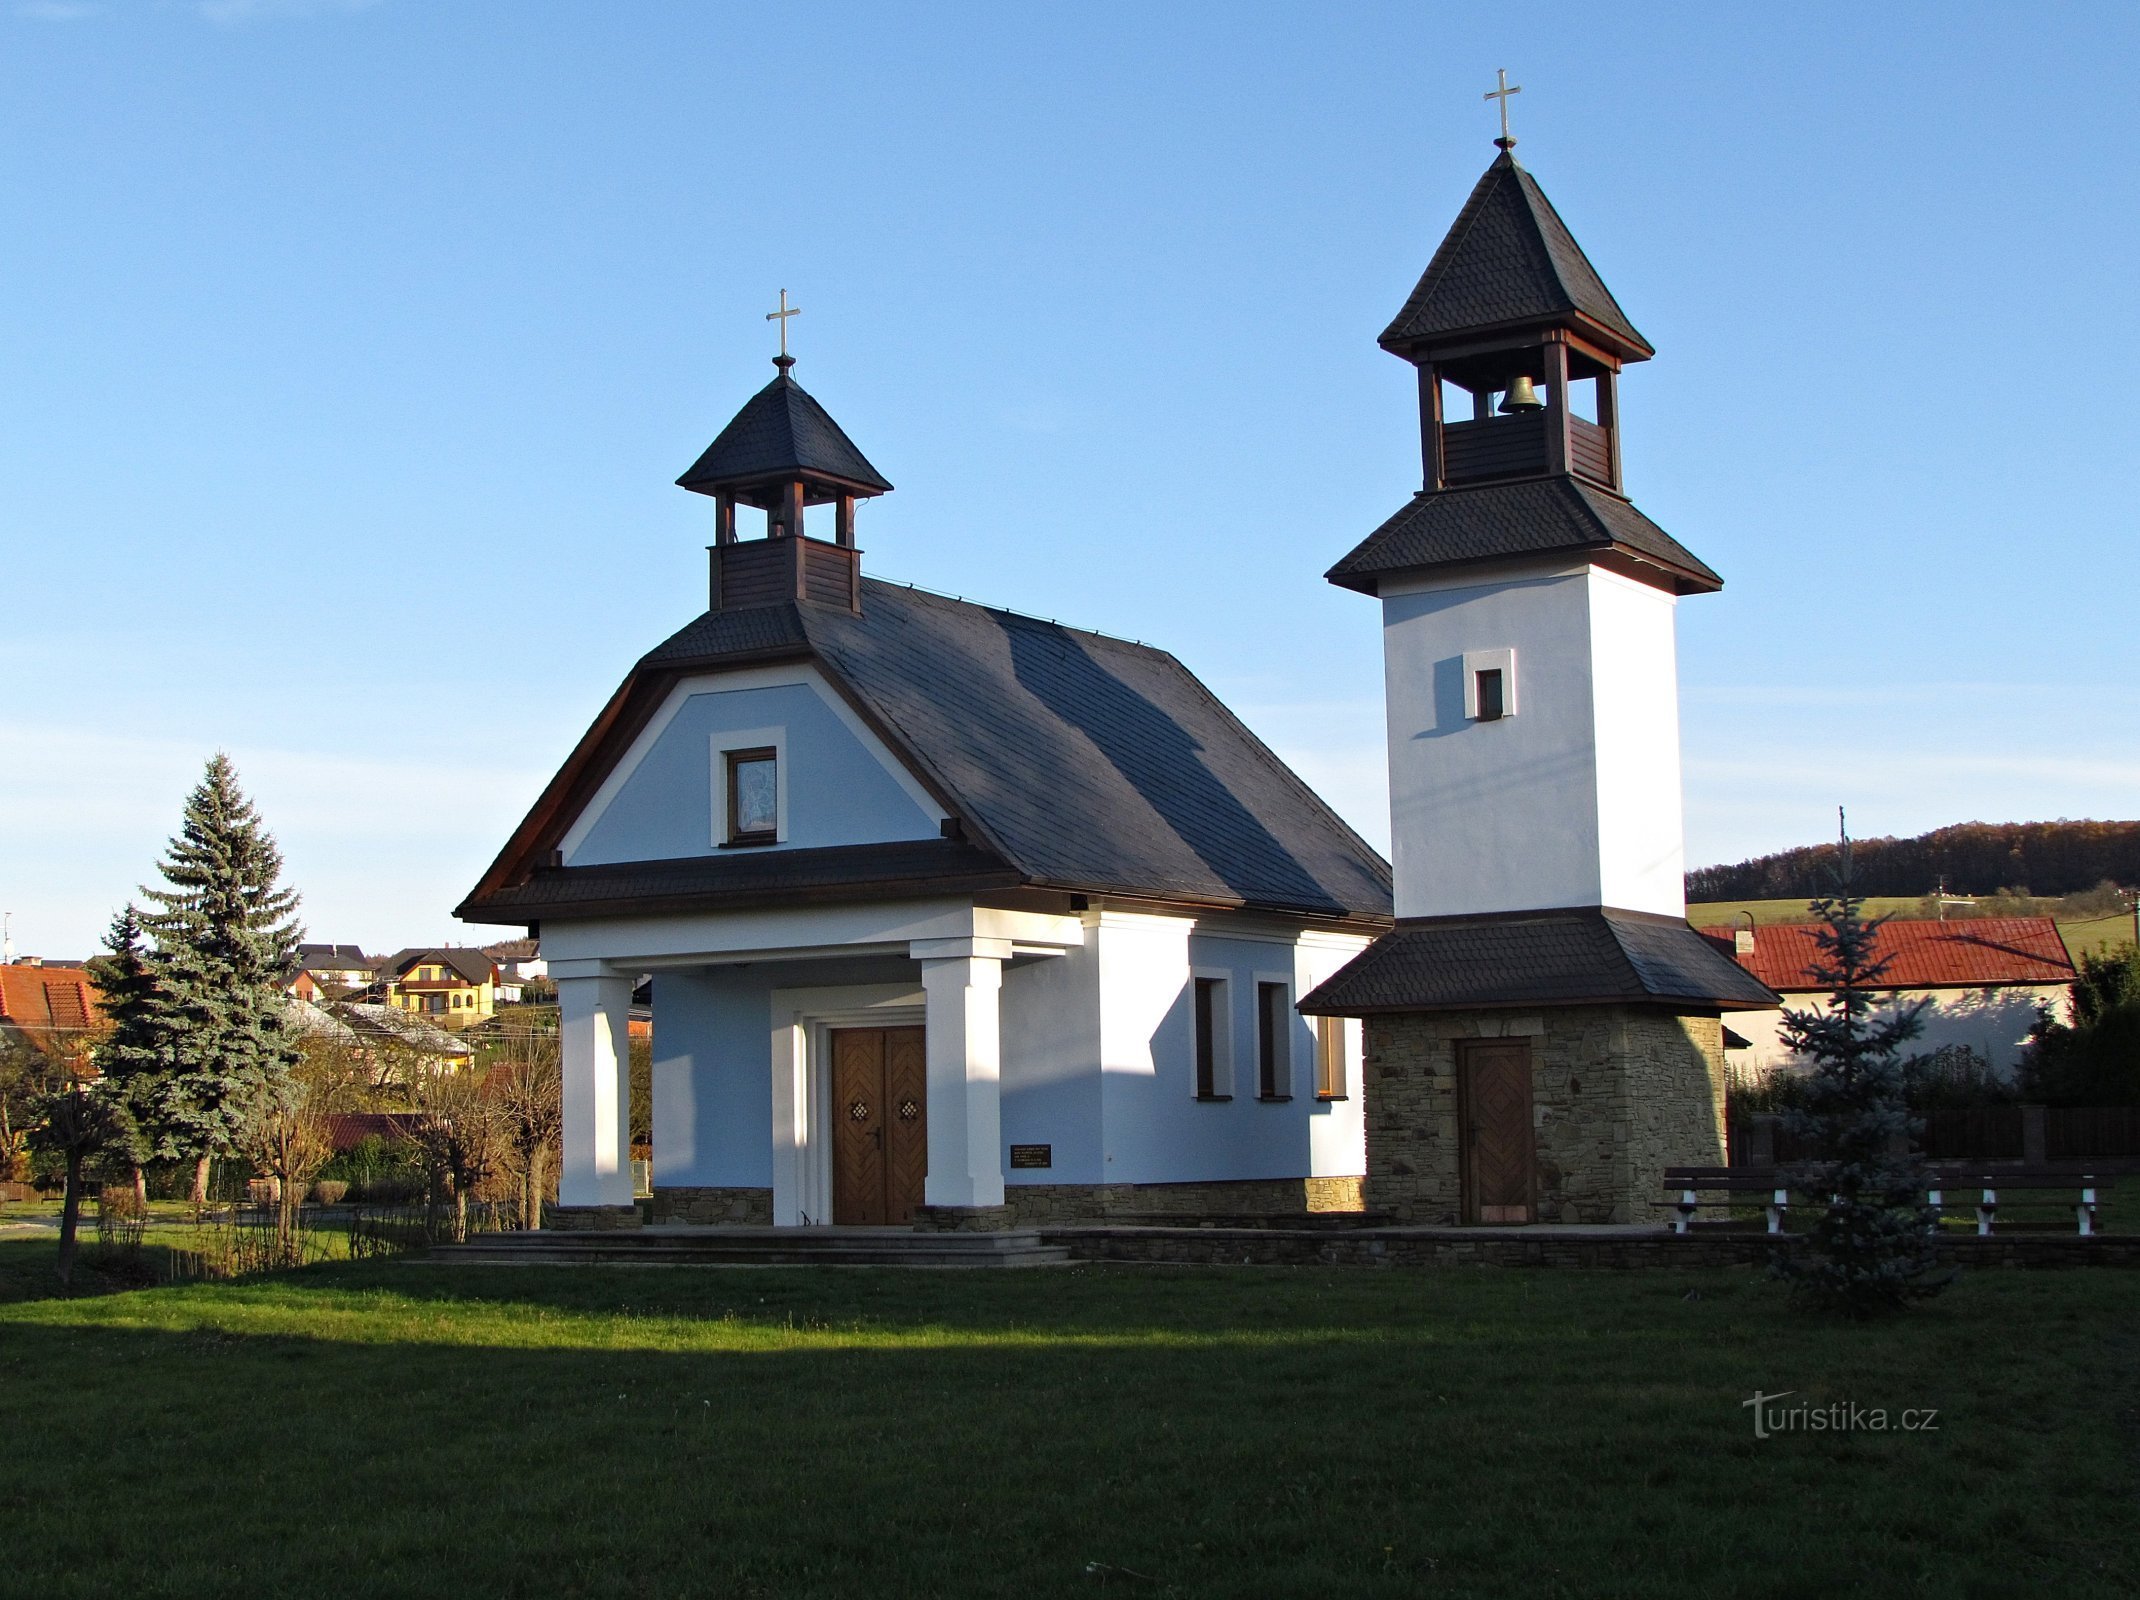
x: 1544, y: 1032
x: 1527, y: 606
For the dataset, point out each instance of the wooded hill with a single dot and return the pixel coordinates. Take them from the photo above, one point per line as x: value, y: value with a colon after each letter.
x: 1975, y: 858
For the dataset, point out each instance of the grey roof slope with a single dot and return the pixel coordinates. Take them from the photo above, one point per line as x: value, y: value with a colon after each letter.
x: 1507, y: 258
x: 781, y: 429
x: 1500, y: 521
x: 1577, y: 956
x: 1086, y: 763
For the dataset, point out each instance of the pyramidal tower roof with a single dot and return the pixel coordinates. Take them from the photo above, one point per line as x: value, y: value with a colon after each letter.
x: 781, y: 432
x: 1508, y: 260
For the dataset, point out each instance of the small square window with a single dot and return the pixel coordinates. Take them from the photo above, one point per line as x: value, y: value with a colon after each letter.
x: 754, y: 796
x: 1489, y: 685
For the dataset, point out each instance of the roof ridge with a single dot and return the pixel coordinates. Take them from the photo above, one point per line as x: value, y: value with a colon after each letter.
x: 1022, y: 616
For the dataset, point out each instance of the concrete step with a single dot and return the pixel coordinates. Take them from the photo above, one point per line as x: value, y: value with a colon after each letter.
x: 853, y: 1247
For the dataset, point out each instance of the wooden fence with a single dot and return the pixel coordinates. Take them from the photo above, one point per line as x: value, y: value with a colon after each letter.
x: 1985, y: 1133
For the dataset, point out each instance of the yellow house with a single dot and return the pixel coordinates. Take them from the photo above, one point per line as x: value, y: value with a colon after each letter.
x: 451, y: 987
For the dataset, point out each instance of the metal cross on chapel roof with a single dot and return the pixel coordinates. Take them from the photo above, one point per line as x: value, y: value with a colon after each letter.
x: 1506, y: 141
x: 781, y: 316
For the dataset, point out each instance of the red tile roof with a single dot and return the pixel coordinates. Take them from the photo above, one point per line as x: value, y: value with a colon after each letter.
x: 1972, y: 952
x: 47, y: 998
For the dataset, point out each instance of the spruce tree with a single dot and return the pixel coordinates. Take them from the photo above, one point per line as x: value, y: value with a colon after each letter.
x: 1872, y: 1246
x: 224, y: 941
x: 135, y: 1058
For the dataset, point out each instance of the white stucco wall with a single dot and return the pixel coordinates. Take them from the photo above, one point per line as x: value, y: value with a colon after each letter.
x: 1634, y: 663
x: 1994, y: 1022
x: 1574, y: 799
x: 1098, y: 1051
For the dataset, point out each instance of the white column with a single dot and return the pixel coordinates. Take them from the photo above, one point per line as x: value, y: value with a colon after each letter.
x: 963, y: 980
x: 592, y: 1025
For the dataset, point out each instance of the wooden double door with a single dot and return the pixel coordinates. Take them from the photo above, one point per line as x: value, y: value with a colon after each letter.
x: 880, y: 1125
x: 1494, y: 1113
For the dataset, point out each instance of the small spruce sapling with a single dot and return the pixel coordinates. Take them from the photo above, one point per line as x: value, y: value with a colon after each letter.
x: 1872, y: 1246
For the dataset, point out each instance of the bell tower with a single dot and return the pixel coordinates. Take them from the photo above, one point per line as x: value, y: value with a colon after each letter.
x: 1527, y: 606
x: 781, y: 454
x: 1543, y: 1028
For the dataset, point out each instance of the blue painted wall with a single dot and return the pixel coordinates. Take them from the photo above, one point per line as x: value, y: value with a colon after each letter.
x: 713, y: 1079
x: 837, y: 792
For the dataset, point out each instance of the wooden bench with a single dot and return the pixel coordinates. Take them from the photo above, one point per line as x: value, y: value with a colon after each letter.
x: 1989, y: 1181
x: 1691, y: 1185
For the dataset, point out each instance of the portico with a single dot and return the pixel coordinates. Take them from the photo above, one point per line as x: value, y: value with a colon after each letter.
x: 806, y: 975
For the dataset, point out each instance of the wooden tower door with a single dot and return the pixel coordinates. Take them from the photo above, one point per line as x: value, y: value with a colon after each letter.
x: 880, y: 1125
x: 1494, y: 1110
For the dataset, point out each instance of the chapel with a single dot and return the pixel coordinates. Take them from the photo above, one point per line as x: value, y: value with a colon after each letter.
x: 959, y: 918
x: 954, y: 916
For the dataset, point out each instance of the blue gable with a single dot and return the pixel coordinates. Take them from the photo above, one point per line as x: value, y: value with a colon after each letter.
x: 836, y: 786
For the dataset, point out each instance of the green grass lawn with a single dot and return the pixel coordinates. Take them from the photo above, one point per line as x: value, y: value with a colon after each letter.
x: 400, y: 1429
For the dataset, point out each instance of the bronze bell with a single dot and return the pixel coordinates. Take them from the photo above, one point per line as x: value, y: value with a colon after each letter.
x: 1521, y: 396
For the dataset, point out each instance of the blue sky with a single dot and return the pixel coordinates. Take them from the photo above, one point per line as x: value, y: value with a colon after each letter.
x: 352, y: 349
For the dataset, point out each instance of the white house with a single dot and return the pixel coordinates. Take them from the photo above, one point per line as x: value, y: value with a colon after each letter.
x: 1979, y: 983
x: 953, y: 914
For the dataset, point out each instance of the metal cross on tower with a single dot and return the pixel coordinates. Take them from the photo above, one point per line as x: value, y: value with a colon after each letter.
x: 1506, y: 141
x: 786, y: 311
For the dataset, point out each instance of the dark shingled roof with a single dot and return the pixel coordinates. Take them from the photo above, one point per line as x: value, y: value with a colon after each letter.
x: 1502, y: 521
x: 1577, y: 956
x: 703, y: 882
x: 781, y: 430
x: 473, y: 965
x: 1079, y: 762
x: 1508, y: 258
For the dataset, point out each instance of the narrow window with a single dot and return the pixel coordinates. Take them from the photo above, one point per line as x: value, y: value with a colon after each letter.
x: 1210, y: 1038
x: 753, y: 796
x: 1489, y: 695
x: 1330, y: 1058
x: 1274, y: 1033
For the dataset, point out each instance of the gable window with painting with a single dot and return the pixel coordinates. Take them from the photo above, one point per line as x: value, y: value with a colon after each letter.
x: 753, y: 798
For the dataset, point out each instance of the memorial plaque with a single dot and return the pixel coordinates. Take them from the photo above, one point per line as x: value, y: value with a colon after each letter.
x: 1032, y: 1155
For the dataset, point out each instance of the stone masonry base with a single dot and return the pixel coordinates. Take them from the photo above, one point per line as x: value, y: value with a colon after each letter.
x: 591, y: 1219
x: 1618, y: 1094
x: 1034, y: 1204
x: 713, y: 1207
x: 962, y: 1219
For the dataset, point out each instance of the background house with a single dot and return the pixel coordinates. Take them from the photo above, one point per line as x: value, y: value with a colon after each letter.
x: 518, y: 962
x: 330, y: 971
x: 1984, y: 981
x: 451, y: 986
x: 52, y: 1009
x: 383, y: 1032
